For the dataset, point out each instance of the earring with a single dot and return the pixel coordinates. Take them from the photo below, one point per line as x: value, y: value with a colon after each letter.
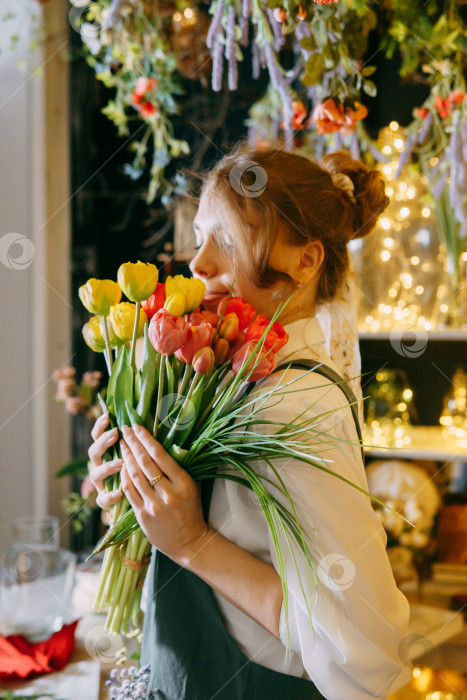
x: 299, y: 284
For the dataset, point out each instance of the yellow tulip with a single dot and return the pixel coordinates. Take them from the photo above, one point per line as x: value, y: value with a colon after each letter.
x: 94, y: 334
x: 175, y: 304
x: 191, y: 288
x: 98, y: 296
x: 122, y: 319
x: 138, y: 280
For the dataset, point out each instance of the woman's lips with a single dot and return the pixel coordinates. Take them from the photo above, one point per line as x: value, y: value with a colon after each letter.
x: 212, y: 296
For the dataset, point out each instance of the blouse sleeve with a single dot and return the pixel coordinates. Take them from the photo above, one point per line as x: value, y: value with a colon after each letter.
x: 354, y: 646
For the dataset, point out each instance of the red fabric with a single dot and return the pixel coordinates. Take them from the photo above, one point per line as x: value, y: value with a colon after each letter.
x: 21, y: 659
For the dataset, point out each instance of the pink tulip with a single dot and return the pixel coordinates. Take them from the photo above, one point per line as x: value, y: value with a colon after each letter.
x: 264, y: 362
x: 167, y: 333
x: 198, y: 337
x: 203, y: 360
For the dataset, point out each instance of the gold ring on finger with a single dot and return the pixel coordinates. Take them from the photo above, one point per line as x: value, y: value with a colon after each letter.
x: 155, y: 479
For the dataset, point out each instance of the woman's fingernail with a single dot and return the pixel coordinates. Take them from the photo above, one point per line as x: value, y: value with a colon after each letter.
x: 116, y: 493
x: 125, y: 430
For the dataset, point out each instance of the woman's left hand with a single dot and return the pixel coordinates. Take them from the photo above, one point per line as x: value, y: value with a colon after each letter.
x: 170, y: 512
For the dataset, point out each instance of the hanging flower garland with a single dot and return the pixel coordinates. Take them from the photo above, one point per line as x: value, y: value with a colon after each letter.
x: 128, y: 46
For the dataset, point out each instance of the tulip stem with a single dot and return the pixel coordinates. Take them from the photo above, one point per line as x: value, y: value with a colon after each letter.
x: 135, y: 333
x: 108, y: 357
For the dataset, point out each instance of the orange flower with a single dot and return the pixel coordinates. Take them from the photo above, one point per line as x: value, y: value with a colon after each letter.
x: 332, y: 115
x: 456, y: 97
x: 301, y: 13
x: 280, y: 14
x: 422, y: 112
x: 352, y: 115
x: 262, y: 365
x: 328, y: 116
x: 240, y: 307
x: 444, y: 107
x: 298, y: 117
x: 276, y: 337
x: 142, y: 87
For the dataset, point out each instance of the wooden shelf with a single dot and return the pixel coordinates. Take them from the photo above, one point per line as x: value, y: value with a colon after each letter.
x: 427, y: 442
x: 445, y: 335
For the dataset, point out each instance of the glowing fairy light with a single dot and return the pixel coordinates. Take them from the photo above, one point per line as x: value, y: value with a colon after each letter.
x: 385, y: 223
x: 177, y: 17
x: 389, y: 191
x: 419, y: 289
x: 386, y: 150
x: 392, y: 292
x: 434, y: 160
x: 414, y: 259
x: 387, y: 170
x: 426, y: 211
x: 404, y: 212
x: 188, y: 12
x: 385, y: 255
x: 389, y: 242
x: 411, y: 191
x: 393, y: 126
x: 399, y: 144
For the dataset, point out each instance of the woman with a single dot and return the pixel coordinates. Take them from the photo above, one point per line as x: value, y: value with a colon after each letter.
x: 270, y: 223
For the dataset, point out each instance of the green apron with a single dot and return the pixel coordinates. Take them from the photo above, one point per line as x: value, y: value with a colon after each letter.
x: 185, y: 640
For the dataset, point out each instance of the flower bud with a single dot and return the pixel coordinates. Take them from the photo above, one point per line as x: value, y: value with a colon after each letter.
x: 229, y: 328
x: 221, y: 348
x: 97, y: 296
x: 203, y: 360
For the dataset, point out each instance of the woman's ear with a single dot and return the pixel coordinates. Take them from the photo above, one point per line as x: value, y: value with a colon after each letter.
x: 311, y: 259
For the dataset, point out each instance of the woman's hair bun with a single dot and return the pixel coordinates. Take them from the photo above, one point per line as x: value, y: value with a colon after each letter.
x: 369, y: 190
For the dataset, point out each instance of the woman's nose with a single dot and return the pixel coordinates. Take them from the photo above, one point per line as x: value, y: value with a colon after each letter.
x: 202, y: 265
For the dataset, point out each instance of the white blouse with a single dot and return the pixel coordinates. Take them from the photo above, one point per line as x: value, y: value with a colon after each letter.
x: 355, y: 650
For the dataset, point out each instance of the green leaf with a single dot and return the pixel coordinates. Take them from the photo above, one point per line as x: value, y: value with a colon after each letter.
x: 113, y: 376
x: 367, y: 71
x: 123, y: 388
x: 370, y: 88
x: 314, y: 70
x: 320, y: 31
x: 78, y: 467
x: 133, y: 415
x: 308, y: 43
x: 178, y: 453
x: 151, y: 363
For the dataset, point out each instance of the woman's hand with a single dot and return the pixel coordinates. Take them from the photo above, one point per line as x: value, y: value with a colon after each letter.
x: 170, y: 512
x: 103, y: 440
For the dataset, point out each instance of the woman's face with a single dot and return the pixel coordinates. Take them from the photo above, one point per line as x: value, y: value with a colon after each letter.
x: 213, y: 263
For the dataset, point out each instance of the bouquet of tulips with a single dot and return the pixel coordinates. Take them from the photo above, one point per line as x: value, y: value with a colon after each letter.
x: 190, y: 393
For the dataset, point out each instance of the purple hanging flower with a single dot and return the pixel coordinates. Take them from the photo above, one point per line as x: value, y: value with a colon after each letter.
x: 217, y: 65
x: 438, y: 186
x: 215, y: 25
x: 406, y: 154
x: 464, y: 140
x: 230, y: 50
x: 425, y: 129
x: 279, y: 38
x: 354, y: 147
x: 246, y: 8
x: 255, y: 62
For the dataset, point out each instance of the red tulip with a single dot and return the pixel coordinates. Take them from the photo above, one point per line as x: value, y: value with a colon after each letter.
x: 166, y: 332
x: 203, y: 360
x: 240, y: 307
x: 263, y: 363
x: 155, y: 302
x: 197, y: 337
x: 197, y: 317
x: 276, y: 337
x: 237, y: 344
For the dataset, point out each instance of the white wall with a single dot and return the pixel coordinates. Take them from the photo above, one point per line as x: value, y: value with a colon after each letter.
x: 34, y: 264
